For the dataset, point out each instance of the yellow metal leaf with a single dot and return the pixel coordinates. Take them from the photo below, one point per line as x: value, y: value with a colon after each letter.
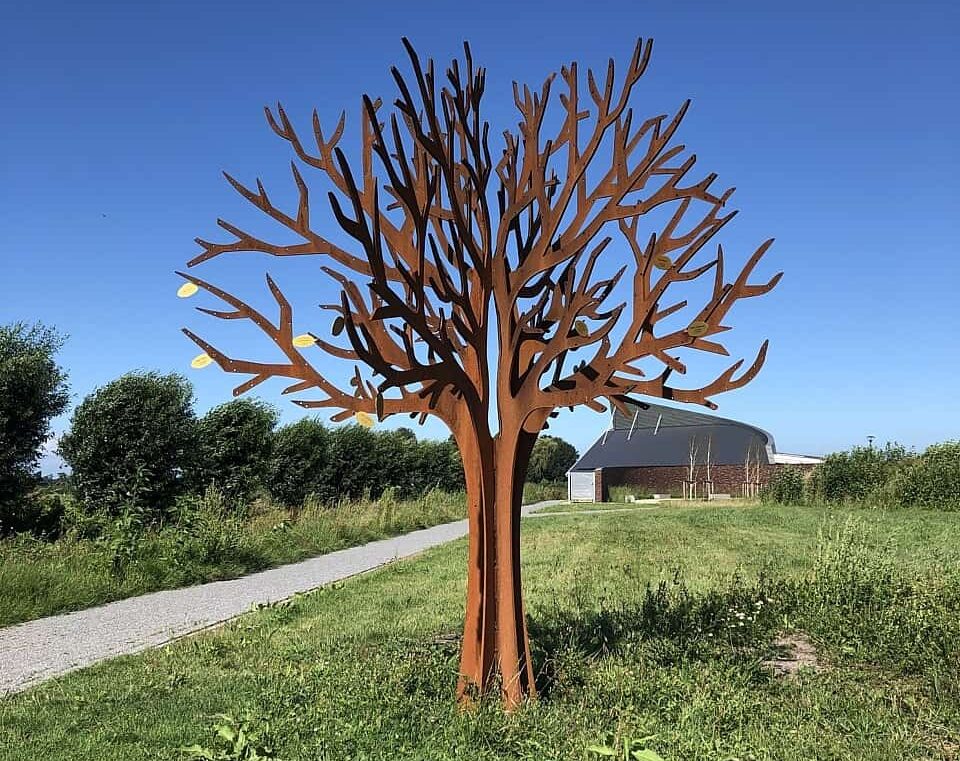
x: 200, y: 361
x: 662, y: 262
x: 697, y: 328
x: 187, y: 290
x: 364, y: 419
x: 304, y: 340
x: 580, y: 327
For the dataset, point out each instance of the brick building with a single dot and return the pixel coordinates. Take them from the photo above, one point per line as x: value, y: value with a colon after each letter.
x: 666, y: 450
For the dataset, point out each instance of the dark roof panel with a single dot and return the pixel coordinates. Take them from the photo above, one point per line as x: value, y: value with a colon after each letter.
x: 729, y: 445
x: 661, y: 435
x: 660, y: 416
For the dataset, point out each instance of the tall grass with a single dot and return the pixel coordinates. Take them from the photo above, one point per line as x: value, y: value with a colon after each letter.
x: 208, y: 539
x: 539, y: 492
x: 206, y: 542
x: 869, y: 604
x: 620, y: 493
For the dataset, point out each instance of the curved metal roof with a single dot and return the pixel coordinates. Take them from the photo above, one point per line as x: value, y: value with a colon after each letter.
x: 661, y: 435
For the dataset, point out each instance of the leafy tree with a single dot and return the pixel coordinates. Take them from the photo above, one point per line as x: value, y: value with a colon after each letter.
x: 33, y: 390
x: 550, y: 460
x: 443, y: 466
x: 406, y: 433
x: 235, y: 442
x: 414, y: 467
x: 354, y: 466
x: 130, y: 443
x: 399, y: 465
x: 298, y: 466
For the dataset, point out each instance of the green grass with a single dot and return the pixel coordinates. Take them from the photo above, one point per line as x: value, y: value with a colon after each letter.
x: 620, y: 493
x: 366, y: 669
x: 580, y: 507
x: 39, y: 578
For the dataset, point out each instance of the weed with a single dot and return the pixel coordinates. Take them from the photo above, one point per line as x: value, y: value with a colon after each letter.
x: 628, y: 749
x: 246, y: 739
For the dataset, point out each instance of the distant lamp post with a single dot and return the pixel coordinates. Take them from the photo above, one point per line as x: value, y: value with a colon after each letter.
x: 870, y: 441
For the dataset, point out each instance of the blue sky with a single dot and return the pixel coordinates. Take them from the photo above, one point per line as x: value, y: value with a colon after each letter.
x: 837, y: 123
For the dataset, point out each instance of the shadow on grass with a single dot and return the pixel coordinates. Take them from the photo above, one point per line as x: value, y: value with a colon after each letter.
x: 669, y: 624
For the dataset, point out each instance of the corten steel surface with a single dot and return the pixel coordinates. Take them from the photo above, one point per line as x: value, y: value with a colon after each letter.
x: 459, y: 254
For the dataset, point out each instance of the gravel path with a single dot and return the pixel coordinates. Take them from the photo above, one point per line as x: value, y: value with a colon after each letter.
x: 42, y: 649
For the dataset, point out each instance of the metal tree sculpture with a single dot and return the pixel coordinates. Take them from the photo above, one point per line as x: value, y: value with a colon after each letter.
x: 460, y: 258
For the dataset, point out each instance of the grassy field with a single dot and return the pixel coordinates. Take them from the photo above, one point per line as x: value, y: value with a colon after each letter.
x: 648, y: 626
x: 580, y: 507
x: 590, y: 507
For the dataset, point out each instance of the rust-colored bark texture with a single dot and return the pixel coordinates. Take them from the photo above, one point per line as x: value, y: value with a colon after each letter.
x: 479, y: 281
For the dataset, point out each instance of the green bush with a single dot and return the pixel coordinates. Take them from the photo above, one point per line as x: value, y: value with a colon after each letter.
x: 33, y: 390
x: 122, y: 540
x: 785, y: 487
x: 298, y: 464
x: 412, y: 468
x: 48, y: 509
x: 349, y: 462
x: 353, y: 467
x: 620, y: 493
x: 859, y: 475
x: 437, y: 466
x: 540, y: 492
x: 399, y: 465
x: 889, y: 477
x: 40, y: 512
x: 208, y: 532
x: 235, y: 441
x: 130, y: 443
x: 930, y: 480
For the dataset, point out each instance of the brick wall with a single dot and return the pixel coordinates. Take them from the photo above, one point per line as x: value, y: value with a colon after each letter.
x: 727, y: 479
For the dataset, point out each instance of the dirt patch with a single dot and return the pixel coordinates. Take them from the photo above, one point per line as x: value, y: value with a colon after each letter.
x: 950, y: 750
x: 794, y: 652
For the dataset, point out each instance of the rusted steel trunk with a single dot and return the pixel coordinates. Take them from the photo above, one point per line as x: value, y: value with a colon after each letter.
x: 478, y: 651
x: 496, y: 648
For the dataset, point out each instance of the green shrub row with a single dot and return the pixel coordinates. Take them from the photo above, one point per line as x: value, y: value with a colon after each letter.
x: 887, y: 477
x: 136, y: 449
